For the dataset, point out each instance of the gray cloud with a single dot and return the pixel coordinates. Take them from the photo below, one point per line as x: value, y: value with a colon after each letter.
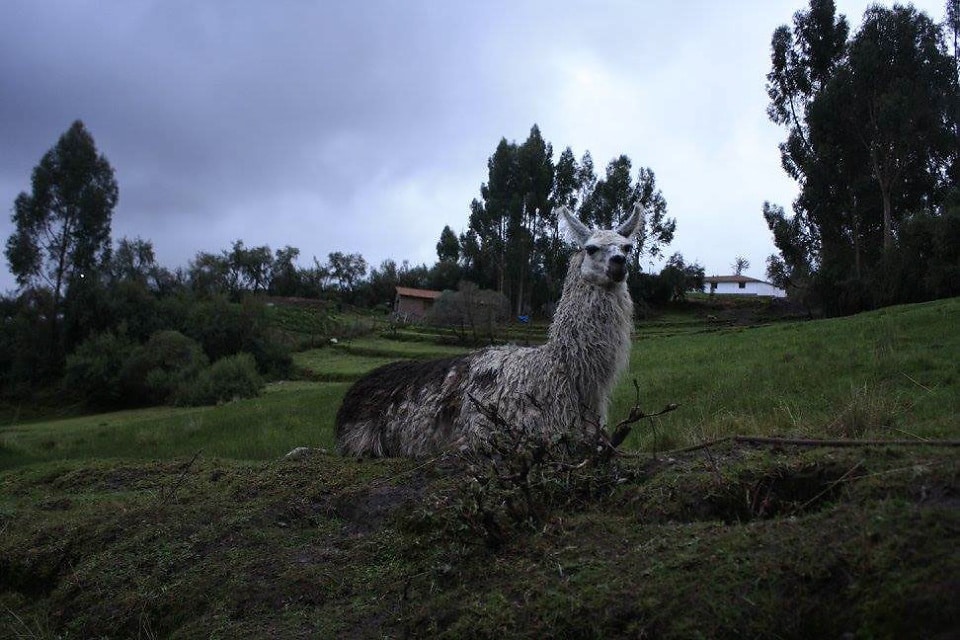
x: 367, y: 126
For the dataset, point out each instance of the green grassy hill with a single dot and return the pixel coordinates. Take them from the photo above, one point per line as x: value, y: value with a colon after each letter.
x: 892, y: 373
x: 186, y: 523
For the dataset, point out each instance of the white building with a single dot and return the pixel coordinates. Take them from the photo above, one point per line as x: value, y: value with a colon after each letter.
x: 741, y: 285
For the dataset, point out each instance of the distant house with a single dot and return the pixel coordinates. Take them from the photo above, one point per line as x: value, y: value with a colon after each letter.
x: 414, y: 303
x: 741, y: 285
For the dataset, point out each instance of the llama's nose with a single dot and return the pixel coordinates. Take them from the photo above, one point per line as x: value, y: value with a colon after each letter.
x: 617, y: 269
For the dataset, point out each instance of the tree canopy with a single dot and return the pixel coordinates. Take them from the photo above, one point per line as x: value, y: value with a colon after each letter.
x: 872, y: 121
x: 513, y: 244
x: 61, y: 241
x: 62, y: 227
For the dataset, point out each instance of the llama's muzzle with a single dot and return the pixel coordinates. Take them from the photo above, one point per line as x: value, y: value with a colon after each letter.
x: 617, y: 269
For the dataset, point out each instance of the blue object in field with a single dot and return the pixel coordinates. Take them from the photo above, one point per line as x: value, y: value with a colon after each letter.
x: 523, y: 319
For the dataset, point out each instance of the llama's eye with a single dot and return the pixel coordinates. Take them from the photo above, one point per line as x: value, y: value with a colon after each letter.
x: 628, y: 248
x: 592, y: 249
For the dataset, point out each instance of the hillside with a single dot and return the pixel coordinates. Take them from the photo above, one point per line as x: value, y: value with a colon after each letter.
x: 221, y: 537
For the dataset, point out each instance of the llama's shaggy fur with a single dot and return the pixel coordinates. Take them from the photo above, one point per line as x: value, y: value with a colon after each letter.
x: 559, y: 389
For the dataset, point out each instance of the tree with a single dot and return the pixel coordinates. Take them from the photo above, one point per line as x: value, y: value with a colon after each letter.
x: 346, y: 269
x: 802, y: 61
x: 62, y: 228
x: 740, y: 264
x: 566, y: 180
x: 515, y: 215
x: 285, y: 278
x: 896, y: 86
x: 513, y: 244
x: 658, y: 228
x: 470, y: 308
x: 249, y: 269
x: 208, y: 274
x: 448, y: 248
x: 679, y: 278
x: 531, y: 230
x: 953, y: 27
x: 134, y: 261
x: 871, y: 140
x: 614, y: 197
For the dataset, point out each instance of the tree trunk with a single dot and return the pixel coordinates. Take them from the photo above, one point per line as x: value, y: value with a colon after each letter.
x: 855, y: 216
x: 887, y: 216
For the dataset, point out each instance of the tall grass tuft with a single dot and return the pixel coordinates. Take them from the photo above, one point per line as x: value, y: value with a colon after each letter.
x: 868, y: 411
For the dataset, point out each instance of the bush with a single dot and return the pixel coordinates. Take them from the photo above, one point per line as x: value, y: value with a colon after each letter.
x: 472, y: 309
x: 219, y: 326
x: 157, y: 372
x: 226, y: 328
x: 94, y: 371
x: 227, y: 379
x: 272, y: 358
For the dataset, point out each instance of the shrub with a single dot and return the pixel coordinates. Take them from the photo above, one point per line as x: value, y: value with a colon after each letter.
x: 219, y: 326
x: 226, y: 328
x: 272, y: 357
x: 228, y: 378
x: 94, y: 371
x: 472, y: 309
x: 156, y: 372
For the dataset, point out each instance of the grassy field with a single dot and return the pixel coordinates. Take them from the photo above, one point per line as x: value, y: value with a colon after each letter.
x: 286, y: 415
x: 888, y: 374
x: 893, y: 373
x: 187, y: 523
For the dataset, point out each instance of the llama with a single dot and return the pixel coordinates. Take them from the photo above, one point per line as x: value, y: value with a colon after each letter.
x: 554, y: 391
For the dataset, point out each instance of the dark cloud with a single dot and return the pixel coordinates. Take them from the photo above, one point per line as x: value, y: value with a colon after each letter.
x: 366, y: 126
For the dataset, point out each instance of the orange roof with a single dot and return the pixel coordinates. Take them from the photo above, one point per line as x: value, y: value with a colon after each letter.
x: 407, y: 292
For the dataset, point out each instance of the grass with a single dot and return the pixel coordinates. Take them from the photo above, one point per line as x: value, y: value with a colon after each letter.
x: 350, y: 359
x: 114, y: 526
x: 285, y: 416
x: 746, y: 543
x: 886, y: 374
x: 395, y: 349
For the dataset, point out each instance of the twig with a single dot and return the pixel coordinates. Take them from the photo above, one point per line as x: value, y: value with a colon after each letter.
x: 924, y: 387
x: 843, y: 478
x: 812, y: 442
x: 623, y: 428
x: 165, y: 496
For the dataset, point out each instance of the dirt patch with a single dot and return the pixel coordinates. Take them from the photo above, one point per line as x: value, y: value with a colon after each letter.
x: 366, y: 510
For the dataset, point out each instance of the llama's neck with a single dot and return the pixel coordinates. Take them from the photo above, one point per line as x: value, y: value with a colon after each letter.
x: 589, y: 338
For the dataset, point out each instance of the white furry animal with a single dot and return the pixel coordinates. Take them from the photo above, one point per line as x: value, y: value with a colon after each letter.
x: 561, y: 388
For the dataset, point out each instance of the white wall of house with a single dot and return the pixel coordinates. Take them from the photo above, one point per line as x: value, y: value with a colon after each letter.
x: 746, y: 289
x: 767, y: 289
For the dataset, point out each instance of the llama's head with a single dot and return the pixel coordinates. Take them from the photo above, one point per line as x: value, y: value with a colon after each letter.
x: 604, y: 252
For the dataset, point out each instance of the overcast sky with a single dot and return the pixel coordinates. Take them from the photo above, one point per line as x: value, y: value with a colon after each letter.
x: 365, y: 126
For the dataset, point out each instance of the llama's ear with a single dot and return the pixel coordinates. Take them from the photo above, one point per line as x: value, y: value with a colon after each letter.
x: 576, y: 231
x: 633, y: 226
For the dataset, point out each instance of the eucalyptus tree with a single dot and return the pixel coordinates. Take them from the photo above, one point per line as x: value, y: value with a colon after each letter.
x: 871, y: 139
x: 899, y: 90
x: 448, y: 247
x: 514, y: 216
x: 61, y: 239
x: 613, y: 198
x: 513, y: 244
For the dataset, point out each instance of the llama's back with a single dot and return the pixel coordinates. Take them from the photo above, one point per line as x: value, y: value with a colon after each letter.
x: 406, y: 408
x: 523, y: 389
x: 418, y: 408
